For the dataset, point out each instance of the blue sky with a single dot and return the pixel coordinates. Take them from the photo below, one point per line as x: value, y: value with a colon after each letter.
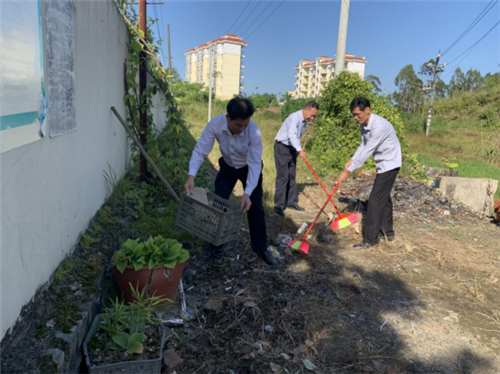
x: 389, y: 34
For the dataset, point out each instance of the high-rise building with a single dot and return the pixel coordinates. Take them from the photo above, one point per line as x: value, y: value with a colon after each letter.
x: 226, y: 55
x: 312, y: 77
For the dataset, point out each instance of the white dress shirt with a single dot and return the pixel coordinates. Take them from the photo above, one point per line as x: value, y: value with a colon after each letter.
x: 378, y: 138
x: 238, y: 150
x: 292, y: 129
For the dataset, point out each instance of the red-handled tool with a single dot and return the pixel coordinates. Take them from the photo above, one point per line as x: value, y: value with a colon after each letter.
x: 302, y: 245
x: 343, y: 220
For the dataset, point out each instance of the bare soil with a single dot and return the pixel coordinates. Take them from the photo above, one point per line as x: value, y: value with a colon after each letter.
x: 428, y: 302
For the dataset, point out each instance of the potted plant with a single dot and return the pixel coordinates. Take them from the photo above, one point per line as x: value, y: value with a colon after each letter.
x: 126, y: 338
x: 155, y: 265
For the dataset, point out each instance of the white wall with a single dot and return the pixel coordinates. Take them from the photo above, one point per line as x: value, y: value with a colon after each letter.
x: 357, y: 67
x: 51, y: 188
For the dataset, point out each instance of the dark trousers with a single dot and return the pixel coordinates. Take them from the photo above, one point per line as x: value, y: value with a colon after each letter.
x: 379, y: 216
x: 224, y: 183
x: 285, y: 159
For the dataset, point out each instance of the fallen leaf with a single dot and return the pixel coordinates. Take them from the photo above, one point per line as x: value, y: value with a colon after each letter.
x: 275, y: 368
x: 213, y: 304
x: 285, y: 356
x: 300, y: 349
x: 309, y: 343
x: 309, y: 365
x: 172, y: 359
x: 265, y: 344
x: 240, y: 292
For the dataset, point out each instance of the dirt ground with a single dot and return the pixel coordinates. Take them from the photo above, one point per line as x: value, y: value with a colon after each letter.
x: 428, y: 302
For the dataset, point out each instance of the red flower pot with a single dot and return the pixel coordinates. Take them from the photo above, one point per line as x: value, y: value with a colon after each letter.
x: 164, y: 281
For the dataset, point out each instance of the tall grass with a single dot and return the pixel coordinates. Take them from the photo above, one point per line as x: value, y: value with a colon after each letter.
x: 468, y: 142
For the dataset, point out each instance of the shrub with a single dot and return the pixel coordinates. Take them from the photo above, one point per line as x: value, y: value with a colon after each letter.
x: 336, y: 135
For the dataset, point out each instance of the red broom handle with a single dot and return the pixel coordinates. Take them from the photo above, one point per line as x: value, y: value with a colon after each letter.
x: 322, y: 186
x: 321, y: 211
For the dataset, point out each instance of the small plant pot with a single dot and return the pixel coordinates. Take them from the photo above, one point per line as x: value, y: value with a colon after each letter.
x: 164, y: 281
x: 136, y: 367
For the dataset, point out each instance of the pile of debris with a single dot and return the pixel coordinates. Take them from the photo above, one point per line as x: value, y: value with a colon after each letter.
x: 411, y: 199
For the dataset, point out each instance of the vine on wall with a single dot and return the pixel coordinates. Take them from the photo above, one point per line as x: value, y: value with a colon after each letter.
x: 169, y: 150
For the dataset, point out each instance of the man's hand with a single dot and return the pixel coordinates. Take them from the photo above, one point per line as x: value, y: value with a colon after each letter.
x: 189, y: 185
x: 343, y: 176
x: 245, y: 203
x: 302, y: 154
x: 349, y: 163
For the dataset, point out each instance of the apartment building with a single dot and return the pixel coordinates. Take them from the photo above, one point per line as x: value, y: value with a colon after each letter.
x: 226, y: 56
x: 312, y: 77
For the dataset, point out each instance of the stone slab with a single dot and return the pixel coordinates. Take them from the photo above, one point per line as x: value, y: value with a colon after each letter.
x: 476, y: 193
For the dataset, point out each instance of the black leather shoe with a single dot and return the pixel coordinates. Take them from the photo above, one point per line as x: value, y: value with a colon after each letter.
x: 363, y: 245
x: 268, y: 257
x: 389, y: 238
x: 279, y: 211
x: 296, y: 207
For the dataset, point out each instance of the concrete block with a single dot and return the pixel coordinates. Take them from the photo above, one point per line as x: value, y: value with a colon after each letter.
x: 57, y: 358
x: 476, y: 193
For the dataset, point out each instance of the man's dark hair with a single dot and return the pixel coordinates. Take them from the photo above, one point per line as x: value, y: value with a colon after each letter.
x: 240, y: 108
x: 360, y: 102
x: 312, y: 105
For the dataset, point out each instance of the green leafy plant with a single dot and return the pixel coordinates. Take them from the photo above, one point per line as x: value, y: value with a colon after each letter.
x: 130, y: 343
x: 450, y: 163
x: 124, y: 325
x: 155, y: 251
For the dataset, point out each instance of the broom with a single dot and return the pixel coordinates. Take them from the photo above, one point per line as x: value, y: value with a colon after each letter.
x: 302, y: 245
x: 343, y: 220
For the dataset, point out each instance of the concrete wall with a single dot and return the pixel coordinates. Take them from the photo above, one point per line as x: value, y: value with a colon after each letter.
x: 51, y: 188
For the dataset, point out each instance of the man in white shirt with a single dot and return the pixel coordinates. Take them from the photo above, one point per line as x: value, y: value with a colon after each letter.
x: 378, y: 138
x: 240, y: 143
x: 286, y: 148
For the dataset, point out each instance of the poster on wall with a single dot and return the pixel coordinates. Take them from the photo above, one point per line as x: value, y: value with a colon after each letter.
x: 59, y: 49
x: 23, y: 101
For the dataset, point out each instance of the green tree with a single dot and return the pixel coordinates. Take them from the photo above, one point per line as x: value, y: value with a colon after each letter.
x: 375, y: 81
x: 263, y: 101
x: 409, y: 97
x: 336, y: 135
x: 492, y: 80
x: 457, y: 82
x: 473, y: 80
x: 440, y: 91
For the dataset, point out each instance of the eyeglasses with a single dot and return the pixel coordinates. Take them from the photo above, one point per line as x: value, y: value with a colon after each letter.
x: 357, y: 114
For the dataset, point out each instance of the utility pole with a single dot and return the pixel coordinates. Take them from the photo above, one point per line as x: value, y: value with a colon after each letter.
x: 437, y: 68
x: 210, y: 79
x: 143, y: 116
x: 342, y: 36
x: 169, y: 55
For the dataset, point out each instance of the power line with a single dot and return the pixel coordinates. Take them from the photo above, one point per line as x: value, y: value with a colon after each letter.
x: 476, y: 43
x: 243, y: 11
x: 471, y: 26
x: 458, y: 64
x: 241, y: 24
x: 255, y: 20
x: 159, y: 33
x: 258, y: 27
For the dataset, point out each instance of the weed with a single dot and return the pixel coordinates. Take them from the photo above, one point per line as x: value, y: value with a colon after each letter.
x: 110, y: 179
x: 86, y: 241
